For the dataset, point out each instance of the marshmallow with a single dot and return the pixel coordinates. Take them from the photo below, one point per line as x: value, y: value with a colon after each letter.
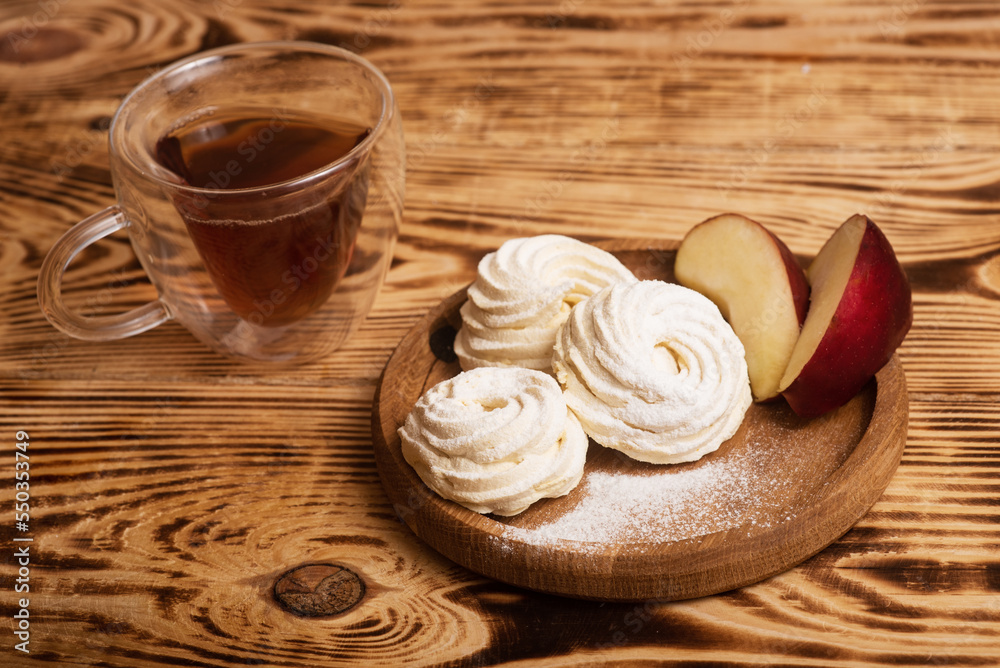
x: 495, y: 440
x: 653, y: 370
x: 523, y: 292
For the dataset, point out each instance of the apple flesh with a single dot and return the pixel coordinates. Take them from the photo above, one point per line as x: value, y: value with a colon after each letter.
x: 860, y: 311
x: 758, y: 285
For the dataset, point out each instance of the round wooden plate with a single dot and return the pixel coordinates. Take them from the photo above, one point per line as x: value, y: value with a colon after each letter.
x: 776, y: 493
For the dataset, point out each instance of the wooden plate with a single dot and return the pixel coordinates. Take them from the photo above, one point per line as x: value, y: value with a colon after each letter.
x: 778, y: 492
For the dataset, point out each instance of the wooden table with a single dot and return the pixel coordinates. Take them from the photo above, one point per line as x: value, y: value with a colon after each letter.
x: 171, y: 489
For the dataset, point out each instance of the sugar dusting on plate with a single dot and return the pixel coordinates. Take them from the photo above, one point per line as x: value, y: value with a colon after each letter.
x: 755, y: 484
x: 619, y: 507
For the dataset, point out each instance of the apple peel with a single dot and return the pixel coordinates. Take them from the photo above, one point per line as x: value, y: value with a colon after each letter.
x: 860, y: 311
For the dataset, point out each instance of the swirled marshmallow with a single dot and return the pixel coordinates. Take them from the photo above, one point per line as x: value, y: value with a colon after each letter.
x: 653, y: 370
x: 522, y: 294
x: 495, y: 440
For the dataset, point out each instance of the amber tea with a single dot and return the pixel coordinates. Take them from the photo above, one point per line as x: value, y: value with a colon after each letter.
x: 271, y: 267
x: 241, y: 177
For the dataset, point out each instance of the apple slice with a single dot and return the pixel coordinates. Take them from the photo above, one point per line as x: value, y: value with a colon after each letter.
x: 860, y: 311
x: 758, y: 286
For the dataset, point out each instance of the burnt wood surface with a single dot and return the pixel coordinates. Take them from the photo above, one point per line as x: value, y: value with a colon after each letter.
x: 174, y: 493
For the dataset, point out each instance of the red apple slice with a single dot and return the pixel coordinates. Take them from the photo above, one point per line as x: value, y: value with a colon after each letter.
x: 758, y: 286
x: 860, y: 311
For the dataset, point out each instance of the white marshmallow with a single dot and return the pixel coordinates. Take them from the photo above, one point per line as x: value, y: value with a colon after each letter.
x: 523, y: 292
x: 653, y: 370
x: 495, y: 440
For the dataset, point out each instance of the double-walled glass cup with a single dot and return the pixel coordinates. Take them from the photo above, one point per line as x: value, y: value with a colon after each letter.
x: 280, y: 271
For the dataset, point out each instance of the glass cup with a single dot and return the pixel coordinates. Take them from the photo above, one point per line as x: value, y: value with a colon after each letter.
x: 256, y: 258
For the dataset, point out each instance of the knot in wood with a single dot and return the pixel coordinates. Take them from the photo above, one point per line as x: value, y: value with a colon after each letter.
x: 319, y: 590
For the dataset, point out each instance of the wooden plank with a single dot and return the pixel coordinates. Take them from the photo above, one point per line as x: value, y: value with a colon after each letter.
x: 173, y: 487
x: 169, y: 519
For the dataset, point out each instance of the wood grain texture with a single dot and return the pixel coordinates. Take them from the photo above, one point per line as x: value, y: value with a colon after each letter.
x: 171, y: 487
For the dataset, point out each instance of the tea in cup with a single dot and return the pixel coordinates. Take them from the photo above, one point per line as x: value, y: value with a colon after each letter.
x: 262, y: 189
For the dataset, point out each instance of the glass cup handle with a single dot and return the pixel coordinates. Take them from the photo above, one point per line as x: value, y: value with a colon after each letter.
x: 90, y: 328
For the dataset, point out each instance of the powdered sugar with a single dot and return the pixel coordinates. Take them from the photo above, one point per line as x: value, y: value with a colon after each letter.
x: 618, y: 507
x: 754, y: 486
